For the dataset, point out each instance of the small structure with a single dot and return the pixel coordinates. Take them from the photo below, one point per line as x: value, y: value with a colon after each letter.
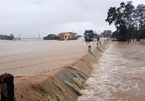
x: 67, y: 35
x: 51, y: 37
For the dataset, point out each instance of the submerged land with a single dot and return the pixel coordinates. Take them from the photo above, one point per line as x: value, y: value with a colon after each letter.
x: 30, y: 57
x: 66, y: 71
x: 35, y: 63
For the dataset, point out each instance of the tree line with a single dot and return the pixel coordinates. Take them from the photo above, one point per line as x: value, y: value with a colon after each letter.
x: 7, y: 37
x: 128, y: 20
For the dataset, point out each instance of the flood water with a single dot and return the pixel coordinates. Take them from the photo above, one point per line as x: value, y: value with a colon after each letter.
x: 28, y: 57
x: 119, y: 75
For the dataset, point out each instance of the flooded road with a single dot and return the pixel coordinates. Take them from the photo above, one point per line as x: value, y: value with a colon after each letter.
x: 32, y: 57
x: 119, y: 74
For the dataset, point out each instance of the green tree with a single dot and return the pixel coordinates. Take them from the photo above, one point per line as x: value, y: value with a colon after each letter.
x: 122, y: 17
x: 11, y: 36
x: 115, y: 35
x: 139, y: 16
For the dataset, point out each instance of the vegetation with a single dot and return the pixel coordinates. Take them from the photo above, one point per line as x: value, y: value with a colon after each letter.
x: 128, y: 20
x: 105, y: 34
x: 6, y: 37
x: 114, y: 34
x: 11, y: 36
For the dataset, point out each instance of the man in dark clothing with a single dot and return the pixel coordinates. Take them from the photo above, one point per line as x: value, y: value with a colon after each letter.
x: 98, y: 38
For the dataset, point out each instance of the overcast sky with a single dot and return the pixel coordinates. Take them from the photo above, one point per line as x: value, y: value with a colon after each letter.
x: 28, y: 18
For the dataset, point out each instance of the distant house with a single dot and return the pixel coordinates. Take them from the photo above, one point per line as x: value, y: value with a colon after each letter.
x: 67, y: 35
x: 51, y: 37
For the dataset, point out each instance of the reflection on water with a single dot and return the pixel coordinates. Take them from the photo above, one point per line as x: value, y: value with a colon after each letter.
x: 87, y: 43
x: 119, y: 76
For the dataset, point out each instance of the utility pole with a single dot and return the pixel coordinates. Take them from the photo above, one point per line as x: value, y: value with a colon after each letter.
x: 39, y: 36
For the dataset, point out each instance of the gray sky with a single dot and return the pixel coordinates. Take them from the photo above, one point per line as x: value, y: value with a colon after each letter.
x: 28, y: 18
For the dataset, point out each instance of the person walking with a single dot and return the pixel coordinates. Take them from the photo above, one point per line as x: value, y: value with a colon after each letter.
x: 98, y: 38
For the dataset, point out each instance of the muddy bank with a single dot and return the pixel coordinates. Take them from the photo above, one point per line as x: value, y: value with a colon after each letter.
x: 62, y: 84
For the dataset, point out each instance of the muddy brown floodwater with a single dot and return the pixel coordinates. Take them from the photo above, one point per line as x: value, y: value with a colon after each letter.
x: 40, y: 68
x: 23, y: 58
x: 119, y: 75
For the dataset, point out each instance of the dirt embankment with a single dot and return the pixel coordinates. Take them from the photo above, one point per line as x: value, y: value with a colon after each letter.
x: 61, y: 84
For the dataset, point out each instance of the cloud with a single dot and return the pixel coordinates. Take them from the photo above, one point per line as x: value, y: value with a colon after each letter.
x: 29, y: 18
